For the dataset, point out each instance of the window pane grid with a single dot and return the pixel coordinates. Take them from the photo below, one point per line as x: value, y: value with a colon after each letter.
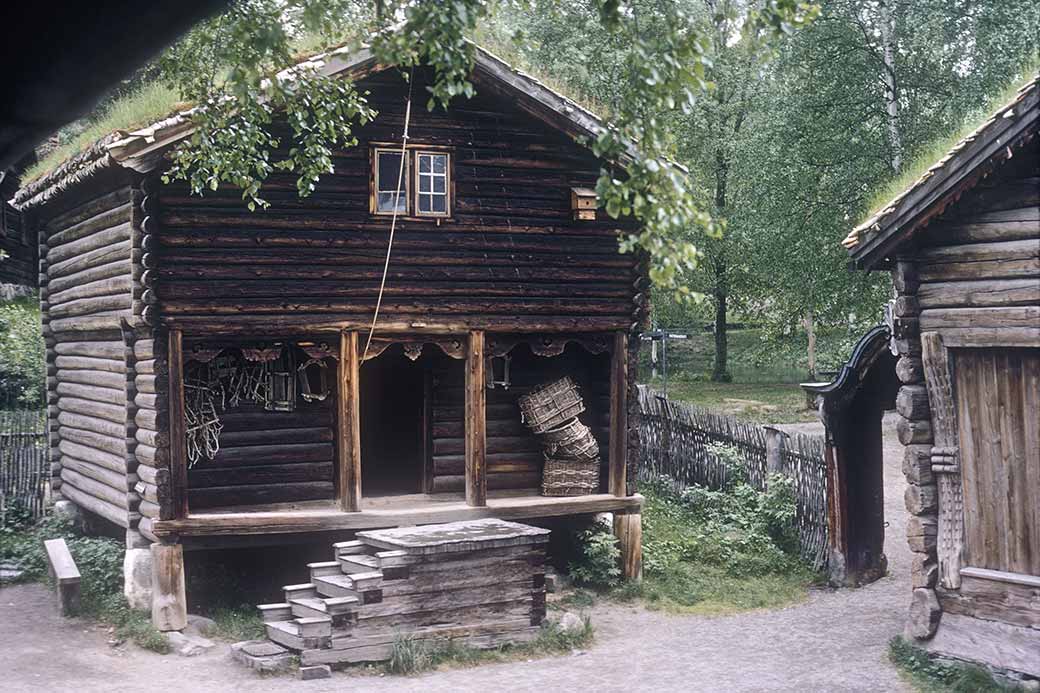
x: 432, y: 178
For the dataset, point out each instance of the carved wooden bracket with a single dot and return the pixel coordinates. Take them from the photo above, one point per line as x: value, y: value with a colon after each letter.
x: 945, y: 458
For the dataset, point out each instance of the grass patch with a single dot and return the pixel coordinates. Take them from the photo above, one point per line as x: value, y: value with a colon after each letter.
x: 412, y: 656
x: 100, y: 562
x: 143, y: 107
x: 711, y: 556
x: 930, y: 675
x: 235, y: 624
x: 757, y: 402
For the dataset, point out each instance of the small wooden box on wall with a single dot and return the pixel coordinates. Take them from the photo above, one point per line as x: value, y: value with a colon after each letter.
x: 583, y: 204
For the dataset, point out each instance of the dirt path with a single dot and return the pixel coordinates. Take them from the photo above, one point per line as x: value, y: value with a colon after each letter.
x: 835, y: 641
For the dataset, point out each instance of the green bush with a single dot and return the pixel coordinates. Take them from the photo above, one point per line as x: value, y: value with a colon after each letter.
x: 22, y: 374
x: 596, y: 561
x: 739, y: 528
x: 100, y: 563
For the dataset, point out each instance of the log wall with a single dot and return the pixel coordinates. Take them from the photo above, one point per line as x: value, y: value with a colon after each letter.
x: 967, y: 322
x: 980, y: 264
x: 514, y: 454
x: 16, y: 240
x: 511, y: 257
x: 268, y: 457
x: 85, y: 266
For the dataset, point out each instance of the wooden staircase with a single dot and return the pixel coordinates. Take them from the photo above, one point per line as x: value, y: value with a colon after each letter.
x: 481, y: 583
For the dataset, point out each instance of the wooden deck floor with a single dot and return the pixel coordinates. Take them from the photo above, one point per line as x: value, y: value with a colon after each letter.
x: 386, y: 511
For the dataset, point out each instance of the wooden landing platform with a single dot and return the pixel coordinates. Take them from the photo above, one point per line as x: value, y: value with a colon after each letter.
x: 386, y: 511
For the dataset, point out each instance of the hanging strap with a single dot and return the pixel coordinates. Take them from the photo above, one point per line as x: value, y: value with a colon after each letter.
x: 393, y: 219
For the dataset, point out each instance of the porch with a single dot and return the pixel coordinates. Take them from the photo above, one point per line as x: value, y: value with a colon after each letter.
x: 386, y: 511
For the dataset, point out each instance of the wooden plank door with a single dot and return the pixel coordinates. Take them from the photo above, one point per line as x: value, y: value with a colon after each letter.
x: 998, y: 413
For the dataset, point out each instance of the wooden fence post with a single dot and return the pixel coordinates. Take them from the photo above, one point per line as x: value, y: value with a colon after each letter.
x: 776, y: 442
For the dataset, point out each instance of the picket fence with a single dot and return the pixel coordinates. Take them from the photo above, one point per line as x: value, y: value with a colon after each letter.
x: 24, y: 471
x: 676, y: 440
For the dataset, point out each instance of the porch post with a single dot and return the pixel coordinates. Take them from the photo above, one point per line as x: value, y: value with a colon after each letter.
x: 617, y: 482
x: 476, y: 422
x: 178, y: 460
x: 348, y: 424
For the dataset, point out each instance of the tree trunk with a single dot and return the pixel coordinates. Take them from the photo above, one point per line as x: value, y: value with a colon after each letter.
x: 888, y: 56
x: 810, y: 330
x: 720, y: 374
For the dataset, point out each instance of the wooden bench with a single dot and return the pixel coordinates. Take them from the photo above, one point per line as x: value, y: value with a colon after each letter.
x: 65, y: 574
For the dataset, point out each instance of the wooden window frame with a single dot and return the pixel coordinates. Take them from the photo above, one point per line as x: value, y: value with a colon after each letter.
x: 411, y: 180
x: 448, y: 186
x: 374, y: 181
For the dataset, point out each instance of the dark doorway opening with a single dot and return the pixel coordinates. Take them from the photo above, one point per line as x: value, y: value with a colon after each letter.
x: 393, y: 423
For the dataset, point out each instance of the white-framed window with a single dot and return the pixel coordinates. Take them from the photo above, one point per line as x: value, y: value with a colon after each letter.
x: 432, y: 184
x: 386, y: 173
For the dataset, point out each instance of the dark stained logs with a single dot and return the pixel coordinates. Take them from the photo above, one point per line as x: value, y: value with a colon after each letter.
x: 510, y: 258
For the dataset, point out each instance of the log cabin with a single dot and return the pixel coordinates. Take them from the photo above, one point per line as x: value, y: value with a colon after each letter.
x: 18, y: 247
x: 211, y: 371
x: 963, y: 247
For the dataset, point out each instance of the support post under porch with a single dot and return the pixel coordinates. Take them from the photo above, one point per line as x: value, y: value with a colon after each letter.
x: 628, y: 528
x: 169, y: 601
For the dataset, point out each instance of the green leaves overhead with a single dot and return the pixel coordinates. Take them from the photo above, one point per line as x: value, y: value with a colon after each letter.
x: 228, y: 68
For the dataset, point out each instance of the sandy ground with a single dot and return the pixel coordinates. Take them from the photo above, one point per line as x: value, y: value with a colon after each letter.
x: 834, y: 641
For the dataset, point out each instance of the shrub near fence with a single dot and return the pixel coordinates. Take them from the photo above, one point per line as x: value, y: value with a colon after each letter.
x: 23, y: 463
x: 675, y: 441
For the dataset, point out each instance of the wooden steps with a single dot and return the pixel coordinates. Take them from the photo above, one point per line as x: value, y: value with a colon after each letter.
x: 480, y: 583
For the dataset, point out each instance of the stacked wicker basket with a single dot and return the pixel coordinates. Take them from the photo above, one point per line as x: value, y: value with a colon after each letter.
x: 571, y: 451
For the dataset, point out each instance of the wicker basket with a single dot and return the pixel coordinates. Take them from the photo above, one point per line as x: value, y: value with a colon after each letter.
x: 571, y: 441
x: 561, y: 477
x: 550, y: 406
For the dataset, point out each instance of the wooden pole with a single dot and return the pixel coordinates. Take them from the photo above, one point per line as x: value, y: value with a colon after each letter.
x: 628, y: 528
x: 476, y: 423
x: 618, y: 458
x: 169, y: 604
x: 178, y: 459
x: 348, y: 423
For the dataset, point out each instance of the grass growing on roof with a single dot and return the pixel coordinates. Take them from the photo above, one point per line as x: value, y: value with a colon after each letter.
x: 143, y: 107
x: 936, y: 150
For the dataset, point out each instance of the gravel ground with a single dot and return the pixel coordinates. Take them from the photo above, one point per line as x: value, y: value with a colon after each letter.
x: 834, y: 641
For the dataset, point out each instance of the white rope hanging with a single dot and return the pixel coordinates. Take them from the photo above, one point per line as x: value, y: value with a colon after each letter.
x: 393, y: 219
